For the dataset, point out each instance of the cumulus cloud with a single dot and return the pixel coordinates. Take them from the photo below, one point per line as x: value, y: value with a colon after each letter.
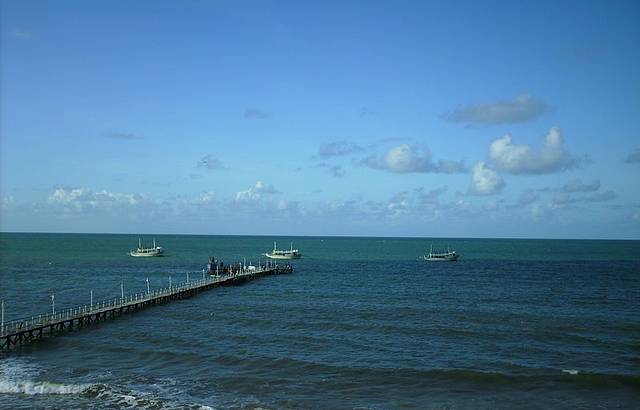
x: 82, y: 199
x: 398, y: 204
x: 338, y: 149
x: 522, y: 108
x: 257, y: 192
x: 207, y: 197
x: 485, y: 181
x: 127, y: 136
x: 521, y: 159
x: 208, y: 162
x: 256, y: 114
x: 402, y: 207
x: 633, y: 157
x: 405, y: 159
x: 576, y: 185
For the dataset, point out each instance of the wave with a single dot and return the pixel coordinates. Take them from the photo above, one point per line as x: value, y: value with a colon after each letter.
x: 35, y: 387
x: 121, y: 397
x: 125, y: 397
x: 21, y: 377
x: 337, y: 374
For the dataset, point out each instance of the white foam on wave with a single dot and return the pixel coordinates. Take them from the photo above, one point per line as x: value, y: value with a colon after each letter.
x: 17, y: 376
x: 130, y: 397
x: 570, y: 371
x: 33, y: 387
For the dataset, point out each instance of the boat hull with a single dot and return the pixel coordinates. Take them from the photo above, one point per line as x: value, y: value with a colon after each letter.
x: 285, y: 257
x: 451, y: 258
x: 145, y: 255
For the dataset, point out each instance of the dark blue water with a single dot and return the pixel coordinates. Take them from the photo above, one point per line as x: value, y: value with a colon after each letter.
x: 362, y: 323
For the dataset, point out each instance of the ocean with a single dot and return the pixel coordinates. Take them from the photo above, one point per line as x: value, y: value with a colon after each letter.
x: 362, y: 323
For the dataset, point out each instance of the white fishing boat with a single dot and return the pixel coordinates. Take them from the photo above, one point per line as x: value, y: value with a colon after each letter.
x: 283, y: 254
x: 448, y: 256
x: 142, y: 252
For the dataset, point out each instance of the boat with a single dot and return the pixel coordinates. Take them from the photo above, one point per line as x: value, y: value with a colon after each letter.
x: 153, y: 251
x: 280, y: 254
x: 448, y: 256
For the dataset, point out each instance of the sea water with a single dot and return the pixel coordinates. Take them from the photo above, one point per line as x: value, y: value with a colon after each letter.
x: 362, y: 323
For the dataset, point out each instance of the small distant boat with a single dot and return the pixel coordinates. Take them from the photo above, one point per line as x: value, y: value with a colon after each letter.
x: 448, y: 256
x: 154, y: 251
x: 280, y: 254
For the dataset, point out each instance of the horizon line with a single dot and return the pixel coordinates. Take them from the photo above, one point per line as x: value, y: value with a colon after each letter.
x: 319, y: 236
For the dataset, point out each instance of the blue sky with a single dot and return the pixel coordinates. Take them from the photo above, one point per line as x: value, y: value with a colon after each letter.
x: 470, y: 119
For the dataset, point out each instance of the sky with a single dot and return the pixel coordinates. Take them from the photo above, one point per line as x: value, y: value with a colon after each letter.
x: 374, y: 118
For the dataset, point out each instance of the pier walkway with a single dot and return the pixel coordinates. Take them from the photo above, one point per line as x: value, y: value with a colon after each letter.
x: 18, y: 332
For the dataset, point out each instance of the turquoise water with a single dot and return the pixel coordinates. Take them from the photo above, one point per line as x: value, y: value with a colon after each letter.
x: 362, y: 323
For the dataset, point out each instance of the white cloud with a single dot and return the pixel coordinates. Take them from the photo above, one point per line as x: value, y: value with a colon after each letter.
x: 82, y: 199
x: 521, y: 159
x: 257, y: 192
x: 398, y: 204
x: 405, y: 159
x: 485, y: 181
x: 522, y: 108
x: 207, y: 197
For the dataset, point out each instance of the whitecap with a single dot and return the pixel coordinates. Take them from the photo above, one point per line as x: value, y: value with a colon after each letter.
x: 17, y: 376
x: 35, y: 387
x: 570, y: 371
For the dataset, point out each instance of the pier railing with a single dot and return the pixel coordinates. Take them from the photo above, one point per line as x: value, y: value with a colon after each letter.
x: 41, y: 320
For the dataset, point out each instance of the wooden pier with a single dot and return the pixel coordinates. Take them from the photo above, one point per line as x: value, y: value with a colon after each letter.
x: 19, y: 332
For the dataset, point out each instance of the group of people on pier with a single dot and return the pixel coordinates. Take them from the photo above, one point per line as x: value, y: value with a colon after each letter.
x: 215, y: 267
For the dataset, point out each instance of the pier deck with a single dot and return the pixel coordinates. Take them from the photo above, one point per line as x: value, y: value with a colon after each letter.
x: 18, y: 332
